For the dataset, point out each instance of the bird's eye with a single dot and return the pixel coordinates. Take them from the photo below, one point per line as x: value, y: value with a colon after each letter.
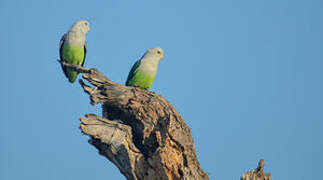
x: 86, y: 23
x: 158, y: 52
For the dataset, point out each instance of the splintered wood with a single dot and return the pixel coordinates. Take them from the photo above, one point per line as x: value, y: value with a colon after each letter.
x: 258, y: 173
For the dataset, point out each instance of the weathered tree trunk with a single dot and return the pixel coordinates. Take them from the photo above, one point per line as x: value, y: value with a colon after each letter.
x: 140, y: 132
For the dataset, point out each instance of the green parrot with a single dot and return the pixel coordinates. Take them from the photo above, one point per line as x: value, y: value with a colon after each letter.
x: 73, y: 47
x: 143, y: 72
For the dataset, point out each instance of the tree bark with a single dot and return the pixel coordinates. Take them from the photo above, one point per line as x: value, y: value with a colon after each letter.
x: 140, y: 132
x: 258, y: 173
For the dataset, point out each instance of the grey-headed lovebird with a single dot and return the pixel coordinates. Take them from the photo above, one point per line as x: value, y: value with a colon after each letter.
x: 143, y: 72
x: 73, y: 47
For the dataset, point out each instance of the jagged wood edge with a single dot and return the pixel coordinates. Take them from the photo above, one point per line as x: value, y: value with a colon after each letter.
x: 258, y: 173
x: 113, y: 140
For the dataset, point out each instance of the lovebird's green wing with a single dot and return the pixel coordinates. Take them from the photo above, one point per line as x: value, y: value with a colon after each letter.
x: 60, y: 53
x: 138, y: 78
x: 85, y: 50
x: 132, y: 73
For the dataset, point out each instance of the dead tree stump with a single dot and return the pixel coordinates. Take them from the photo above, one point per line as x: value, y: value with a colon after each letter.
x: 140, y: 132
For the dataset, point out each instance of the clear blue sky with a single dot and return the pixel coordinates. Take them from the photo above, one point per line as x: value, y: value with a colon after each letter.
x: 245, y: 75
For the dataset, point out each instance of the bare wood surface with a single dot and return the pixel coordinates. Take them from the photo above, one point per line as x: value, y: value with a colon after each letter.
x: 140, y: 132
x: 258, y: 173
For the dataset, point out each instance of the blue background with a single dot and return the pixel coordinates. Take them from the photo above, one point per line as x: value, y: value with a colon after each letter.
x: 245, y: 75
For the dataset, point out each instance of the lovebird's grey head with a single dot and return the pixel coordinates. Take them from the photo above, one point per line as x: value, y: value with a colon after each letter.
x: 81, y: 26
x: 155, y: 52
